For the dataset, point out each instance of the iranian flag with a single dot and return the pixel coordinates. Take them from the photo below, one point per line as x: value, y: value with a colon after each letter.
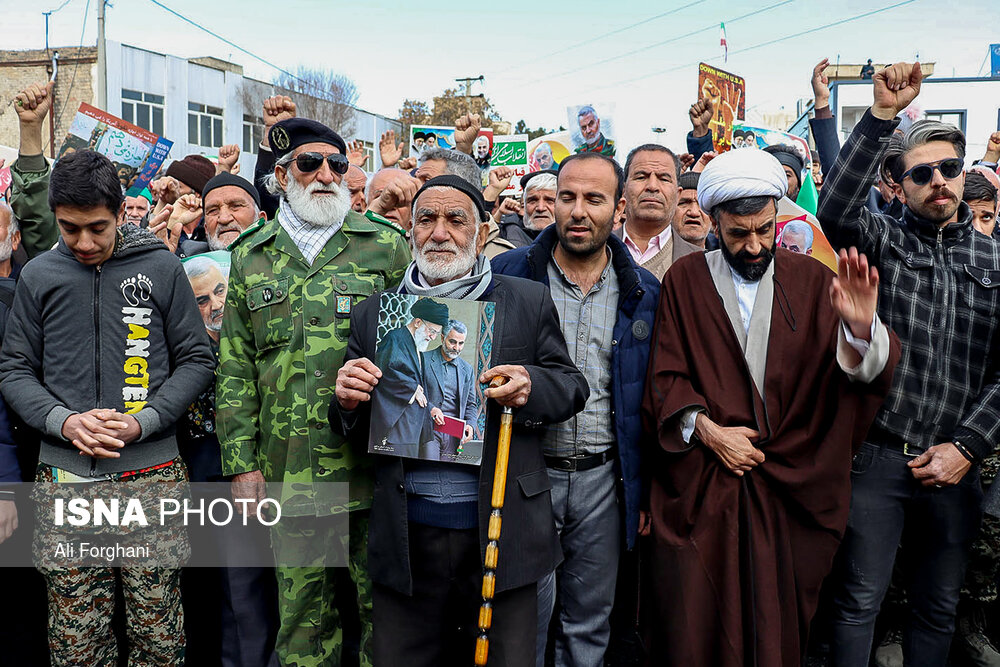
x: 722, y: 42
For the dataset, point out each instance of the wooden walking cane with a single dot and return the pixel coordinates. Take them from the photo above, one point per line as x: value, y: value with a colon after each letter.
x: 493, y: 533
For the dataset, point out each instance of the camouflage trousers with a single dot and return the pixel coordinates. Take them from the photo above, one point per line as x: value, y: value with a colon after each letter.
x: 81, y: 600
x: 984, y: 555
x: 311, y: 632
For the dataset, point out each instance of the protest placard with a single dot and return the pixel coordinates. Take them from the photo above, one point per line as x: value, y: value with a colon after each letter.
x: 431, y: 353
x: 547, y: 151
x: 799, y: 231
x: 423, y: 137
x: 747, y: 136
x: 727, y: 93
x: 511, y: 151
x: 591, y: 128
x: 137, y: 154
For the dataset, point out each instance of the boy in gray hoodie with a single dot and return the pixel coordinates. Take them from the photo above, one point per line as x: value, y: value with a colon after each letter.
x: 104, y: 351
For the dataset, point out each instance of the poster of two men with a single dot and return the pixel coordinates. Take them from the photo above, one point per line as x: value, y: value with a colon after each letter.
x: 428, y: 403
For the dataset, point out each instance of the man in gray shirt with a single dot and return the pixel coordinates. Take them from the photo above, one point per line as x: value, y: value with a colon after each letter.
x: 605, y: 304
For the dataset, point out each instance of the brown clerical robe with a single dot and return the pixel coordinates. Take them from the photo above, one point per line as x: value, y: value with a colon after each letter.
x: 737, y: 562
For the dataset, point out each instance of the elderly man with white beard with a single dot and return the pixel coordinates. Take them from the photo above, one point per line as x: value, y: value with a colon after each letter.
x: 429, y: 518
x: 294, y: 281
x: 231, y: 206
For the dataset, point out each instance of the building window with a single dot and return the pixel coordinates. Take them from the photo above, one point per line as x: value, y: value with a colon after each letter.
x: 253, y: 133
x: 369, y: 148
x: 951, y: 117
x: 144, y: 110
x: 204, y: 125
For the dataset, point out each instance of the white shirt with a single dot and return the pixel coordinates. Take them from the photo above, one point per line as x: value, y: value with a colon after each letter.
x: 655, y: 245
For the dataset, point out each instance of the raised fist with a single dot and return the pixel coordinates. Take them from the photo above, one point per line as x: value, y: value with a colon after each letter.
x: 700, y: 114
x: 34, y: 102
x: 466, y: 130
x: 896, y: 87
x: 397, y: 194
x: 229, y: 155
x: 277, y: 109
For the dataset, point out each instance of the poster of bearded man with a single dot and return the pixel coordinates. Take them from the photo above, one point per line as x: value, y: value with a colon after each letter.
x: 428, y: 403
x: 592, y: 128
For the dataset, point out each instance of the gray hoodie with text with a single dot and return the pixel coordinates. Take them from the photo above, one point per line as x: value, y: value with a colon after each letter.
x: 125, y: 335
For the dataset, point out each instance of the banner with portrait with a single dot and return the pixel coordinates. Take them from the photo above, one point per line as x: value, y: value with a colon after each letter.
x: 428, y: 403
x: 592, y: 128
x: 549, y: 150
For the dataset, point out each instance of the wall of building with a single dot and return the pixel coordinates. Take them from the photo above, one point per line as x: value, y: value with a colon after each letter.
x: 76, y: 82
x: 178, y: 81
x: 978, y: 100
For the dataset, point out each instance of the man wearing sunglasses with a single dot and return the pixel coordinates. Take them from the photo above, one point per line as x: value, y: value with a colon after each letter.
x: 294, y: 281
x: 940, y: 292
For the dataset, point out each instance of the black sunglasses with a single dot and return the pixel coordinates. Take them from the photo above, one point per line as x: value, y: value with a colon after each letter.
x: 923, y: 173
x: 310, y: 162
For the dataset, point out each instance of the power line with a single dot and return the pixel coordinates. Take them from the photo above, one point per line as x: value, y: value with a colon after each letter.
x: 762, y: 44
x: 322, y: 93
x: 633, y: 52
x: 602, y: 36
x: 59, y: 8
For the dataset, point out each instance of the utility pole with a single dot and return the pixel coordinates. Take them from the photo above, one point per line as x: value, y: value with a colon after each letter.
x: 468, y: 81
x: 102, y: 60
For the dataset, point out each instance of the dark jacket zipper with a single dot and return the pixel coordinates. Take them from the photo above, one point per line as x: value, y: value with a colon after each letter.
x: 97, y: 347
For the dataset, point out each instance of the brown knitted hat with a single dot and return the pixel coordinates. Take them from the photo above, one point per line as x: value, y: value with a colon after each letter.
x: 193, y: 171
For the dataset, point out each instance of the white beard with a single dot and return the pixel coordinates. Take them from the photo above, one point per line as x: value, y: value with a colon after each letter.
x: 463, y: 262
x: 529, y: 223
x: 214, y: 243
x: 6, y: 247
x: 321, y: 211
x: 420, y: 338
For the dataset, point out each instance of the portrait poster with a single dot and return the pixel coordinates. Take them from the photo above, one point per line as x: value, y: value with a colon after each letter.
x: 727, y: 93
x: 746, y: 136
x: 137, y: 154
x: 592, y: 128
x: 511, y: 151
x: 547, y: 151
x: 798, y: 230
x: 208, y: 274
x: 441, y: 136
x: 429, y: 404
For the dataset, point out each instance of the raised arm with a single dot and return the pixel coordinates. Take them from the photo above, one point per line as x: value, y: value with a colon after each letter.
x: 841, y: 211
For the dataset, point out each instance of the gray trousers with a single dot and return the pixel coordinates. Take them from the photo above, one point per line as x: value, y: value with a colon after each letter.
x: 585, y: 508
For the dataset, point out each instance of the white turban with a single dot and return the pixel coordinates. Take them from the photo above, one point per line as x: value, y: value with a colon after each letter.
x: 743, y: 172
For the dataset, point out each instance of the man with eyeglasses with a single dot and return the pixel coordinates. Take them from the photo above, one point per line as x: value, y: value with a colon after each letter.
x: 294, y: 281
x: 940, y: 292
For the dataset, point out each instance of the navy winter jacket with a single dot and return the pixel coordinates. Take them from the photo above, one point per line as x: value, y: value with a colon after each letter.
x: 639, y: 294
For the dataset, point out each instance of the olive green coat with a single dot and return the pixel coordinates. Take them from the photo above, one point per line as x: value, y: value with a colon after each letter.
x: 282, y: 342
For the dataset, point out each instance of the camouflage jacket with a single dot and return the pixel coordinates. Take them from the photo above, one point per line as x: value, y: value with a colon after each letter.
x: 282, y: 342
x: 604, y: 146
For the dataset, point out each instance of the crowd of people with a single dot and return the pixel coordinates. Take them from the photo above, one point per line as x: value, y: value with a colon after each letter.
x: 723, y: 453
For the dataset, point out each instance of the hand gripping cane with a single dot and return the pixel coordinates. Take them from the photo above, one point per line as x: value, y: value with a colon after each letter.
x: 493, y: 546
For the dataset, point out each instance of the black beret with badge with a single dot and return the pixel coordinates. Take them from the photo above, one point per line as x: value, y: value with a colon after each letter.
x: 288, y: 135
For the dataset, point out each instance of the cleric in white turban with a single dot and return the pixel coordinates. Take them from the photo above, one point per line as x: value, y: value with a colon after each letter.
x: 755, y: 398
x: 748, y: 172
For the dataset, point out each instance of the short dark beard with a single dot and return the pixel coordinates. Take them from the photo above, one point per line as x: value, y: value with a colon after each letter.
x: 588, y: 250
x: 751, y: 271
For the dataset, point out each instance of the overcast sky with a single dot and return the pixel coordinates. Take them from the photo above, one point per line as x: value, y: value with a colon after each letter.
x: 539, y: 57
